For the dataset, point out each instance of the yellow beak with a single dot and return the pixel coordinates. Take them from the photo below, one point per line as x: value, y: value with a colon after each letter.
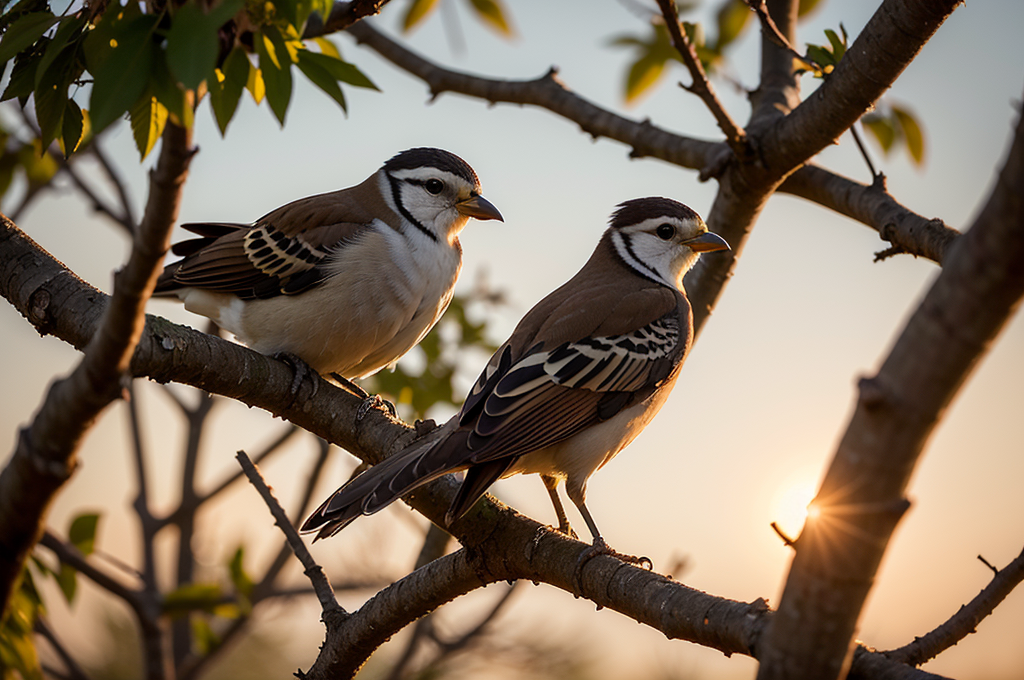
x: 479, y: 207
x: 706, y: 243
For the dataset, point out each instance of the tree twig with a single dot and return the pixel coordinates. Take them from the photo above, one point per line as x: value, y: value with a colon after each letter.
x: 74, y: 670
x: 965, y: 621
x: 701, y: 86
x: 324, y: 592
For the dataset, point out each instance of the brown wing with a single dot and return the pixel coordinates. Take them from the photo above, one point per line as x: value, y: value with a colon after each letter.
x: 283, y: 253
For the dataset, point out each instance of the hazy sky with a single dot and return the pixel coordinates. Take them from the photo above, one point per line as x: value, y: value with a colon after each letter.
x: 764, y: 396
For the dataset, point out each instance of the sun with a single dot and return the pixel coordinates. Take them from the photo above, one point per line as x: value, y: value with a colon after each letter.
x: 790, y: 506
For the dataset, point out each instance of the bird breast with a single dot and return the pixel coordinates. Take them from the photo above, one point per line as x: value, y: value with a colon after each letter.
x: 383, y: 293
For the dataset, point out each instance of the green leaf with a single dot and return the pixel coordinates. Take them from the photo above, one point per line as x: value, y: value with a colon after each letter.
x: 72, y: 128
x: 23, y: 77
x: 52, y: 95
x: 806, y: 7
x: 321, y: 77
x: 39, y: 164
x: 82, y: 532
x: 276, y: 68
x: 820, y: 55
x: 192, y: 45
x: 60, y: 40
x: 67, y: 579
x: 124, y: 75
x: 732, y: 18
x: 339, y: 70
x: 97, y: 46
x: 204, y: 637
x: 25, y: 32
x: 17, y: 648
x: 912, y: 133
x: 226, y: 87
x: 838, y: 46
x: 493, y: 14
x: 418, y: 10
x: 193, y: 597
x: 169, y: 92
x: 239, y: 577
x: 881, y: 128
x: 644, y: 73
x: 224, y: 12
x: 148, y: 119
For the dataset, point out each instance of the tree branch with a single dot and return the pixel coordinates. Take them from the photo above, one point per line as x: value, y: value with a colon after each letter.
x: 862, y: 496
x: 965, y: 621
x: 331, y: 609
x: 549, y: 93
x: 504, y: 544
x: 45, y: 453
x: 701, y: 86
x: 778, y: 92
x: 875, y: 207
x: 889, y: 42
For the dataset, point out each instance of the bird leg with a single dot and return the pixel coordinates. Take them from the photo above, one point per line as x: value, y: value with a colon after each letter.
x: 300, y: 371
x: 599, y: 546
x: 551, y: 484
x: 370, y: 401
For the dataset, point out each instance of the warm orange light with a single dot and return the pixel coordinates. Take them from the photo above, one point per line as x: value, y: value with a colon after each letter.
x: 792, y: 505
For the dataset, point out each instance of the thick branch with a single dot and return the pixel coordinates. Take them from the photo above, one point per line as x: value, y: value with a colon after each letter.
x: 45, y: 453
x: 965, y: 621
x: 504, y: 544
x: 862, y: 497
x: 778, y: 93
x: 874, y: 206
x: 889, y: 42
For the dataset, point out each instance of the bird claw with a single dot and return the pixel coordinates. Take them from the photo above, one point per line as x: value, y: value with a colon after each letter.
x: 600, y: 547
x: 300, y: 371
x: 566, y: 529
x: 375, y: 402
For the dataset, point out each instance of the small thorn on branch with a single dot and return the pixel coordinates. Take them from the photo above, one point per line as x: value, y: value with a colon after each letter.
x: 790, y: 542
x: 989, y: 565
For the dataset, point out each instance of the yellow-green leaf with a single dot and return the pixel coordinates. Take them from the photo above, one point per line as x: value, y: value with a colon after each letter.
x: 494, y: 14
x: 732, y: 18
x: 123, y: 77
x: 417, y: 11
x: 72, y: 129
x: 320, y: 77
x: 644, y: 73
x: 912, y: 133
x: 230, y: 79
x: 881, y: 128
x: 327, y: 47
x: 254, y: 83
x: 276, y: 68
x: 193, y: 597
x: 148, y: 118
x: 806, y: 7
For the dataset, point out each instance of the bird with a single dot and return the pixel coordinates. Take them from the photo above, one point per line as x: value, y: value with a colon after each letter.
x: 582, y: 374
x: 344, y: 283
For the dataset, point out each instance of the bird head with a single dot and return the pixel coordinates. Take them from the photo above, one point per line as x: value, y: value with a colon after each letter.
x: 661, y: 238
x: 437, y: 191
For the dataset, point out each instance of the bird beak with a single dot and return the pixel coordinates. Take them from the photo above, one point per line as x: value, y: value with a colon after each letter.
x: 479, y: 207
x: 706, y: 243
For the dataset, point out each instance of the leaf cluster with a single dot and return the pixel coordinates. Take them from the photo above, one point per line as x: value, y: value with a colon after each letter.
x: 18, y: 657
x: 156, y: 61
x: 492, y: 13
x: 894, y: 126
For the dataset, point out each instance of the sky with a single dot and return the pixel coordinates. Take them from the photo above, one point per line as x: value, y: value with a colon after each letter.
x: 765, y: 394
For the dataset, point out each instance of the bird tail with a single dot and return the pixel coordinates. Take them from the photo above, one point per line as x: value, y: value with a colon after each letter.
x: 382, y: 484
x: 208, y: 232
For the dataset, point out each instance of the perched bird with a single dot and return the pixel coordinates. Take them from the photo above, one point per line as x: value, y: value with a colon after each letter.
x: 582, y: 374
x: 346, y: 282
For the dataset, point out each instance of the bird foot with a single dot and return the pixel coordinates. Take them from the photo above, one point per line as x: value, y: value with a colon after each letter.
x: 300, y: 371
x: 375, y: 402
x: 600, y: 547
x: 567, y: 530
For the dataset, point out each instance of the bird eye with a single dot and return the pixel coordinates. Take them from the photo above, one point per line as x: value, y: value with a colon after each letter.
x: 434, y: 186
x: 665, y: 231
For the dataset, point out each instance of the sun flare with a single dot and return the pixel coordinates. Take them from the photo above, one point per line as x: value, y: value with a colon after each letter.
x: 792, y: 505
